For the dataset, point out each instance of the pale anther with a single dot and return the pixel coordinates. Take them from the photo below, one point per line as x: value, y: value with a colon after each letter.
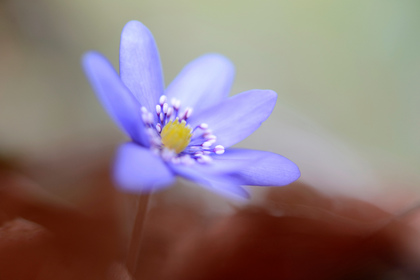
x: 211, y: 141
x: 159, y: 127
x: 176, y: 103
x: 207, y: 144
x: 170, y: 111
x: 147, y: 118
x: 204, y: 159
x: 210, y: 137
x: 187, y: 113
x: 219, y: 149
x: 162, y: 100
x: 165, y: 108
x: 204, y: 126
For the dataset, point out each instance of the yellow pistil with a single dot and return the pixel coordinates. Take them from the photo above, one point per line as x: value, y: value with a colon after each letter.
x: 176, y: 136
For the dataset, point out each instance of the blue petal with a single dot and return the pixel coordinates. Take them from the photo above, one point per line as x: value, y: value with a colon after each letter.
x: 140, y: 67
x: 263, y: 168
x: 227, y: 187
x: 211, y: 179
x: 139, y: 170
x: 237, y: 117
x: 120, y: 104
x: 204, y: 82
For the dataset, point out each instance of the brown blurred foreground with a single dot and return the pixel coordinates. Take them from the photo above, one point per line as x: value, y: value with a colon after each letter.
x: 294, y: 233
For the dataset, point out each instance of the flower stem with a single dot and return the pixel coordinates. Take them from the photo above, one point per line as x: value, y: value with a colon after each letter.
x: 136, y: 237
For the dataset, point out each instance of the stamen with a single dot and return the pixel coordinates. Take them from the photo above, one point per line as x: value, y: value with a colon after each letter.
x: 162, y: 100
x: 176, y: 103
x: 182, y: 117
x: 154, y: 138
x: 210, y: 137
x: 187, y: 113
x: 165, y: 108
x: 204, y: 159
x: 203, y: 126
x: 170, y: 111
x: 193, y: 148
x: 159, y: 127
x: 207, y: 133
x: 173, y: 138
x: 219, y: 149
x: 208, y: 143
x: 147, y: 118
x: 144, y: 117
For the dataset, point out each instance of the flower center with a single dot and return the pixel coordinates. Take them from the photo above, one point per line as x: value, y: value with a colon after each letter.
x: 173, y: 139
x: 176, y: 135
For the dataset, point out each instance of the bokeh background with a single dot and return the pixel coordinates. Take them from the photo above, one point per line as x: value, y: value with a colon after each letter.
x: 347, y: 77
x: 346, y: 72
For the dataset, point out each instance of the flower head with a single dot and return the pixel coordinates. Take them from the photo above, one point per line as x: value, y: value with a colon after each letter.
x: 187, y: 129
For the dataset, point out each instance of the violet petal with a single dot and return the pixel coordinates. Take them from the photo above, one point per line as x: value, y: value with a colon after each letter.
x: 139, y: 170
x: 118, y: 101
x: 222, y: 184
x: 140, y: 67
x: 263, y: 168
x: 238, y: 116
x: 203, y: 82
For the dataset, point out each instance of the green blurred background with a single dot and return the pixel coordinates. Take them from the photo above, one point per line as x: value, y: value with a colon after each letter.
x: 347, y: 74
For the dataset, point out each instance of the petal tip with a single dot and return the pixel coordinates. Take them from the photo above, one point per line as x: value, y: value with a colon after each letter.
x: 135, y: 29
x: 134, y: 24
x: 218, y: 58
x: 291, y: 172
x: 88, y: 56
x: 95, y: 60
x: 271, y: 94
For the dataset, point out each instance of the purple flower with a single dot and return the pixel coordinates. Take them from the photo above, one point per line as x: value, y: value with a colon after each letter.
x: 187, y: 129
